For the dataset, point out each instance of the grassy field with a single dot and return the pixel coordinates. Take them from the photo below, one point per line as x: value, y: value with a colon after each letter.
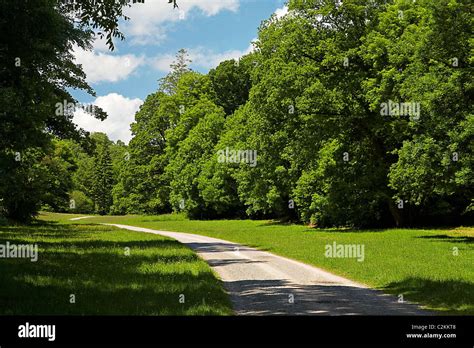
x: 108, y: 270
x: 434, y: 267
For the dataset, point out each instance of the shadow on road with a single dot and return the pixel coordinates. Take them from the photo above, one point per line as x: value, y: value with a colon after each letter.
x: 277, y: 297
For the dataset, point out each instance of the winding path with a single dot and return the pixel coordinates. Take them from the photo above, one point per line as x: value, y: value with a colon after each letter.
x: 261, y: 283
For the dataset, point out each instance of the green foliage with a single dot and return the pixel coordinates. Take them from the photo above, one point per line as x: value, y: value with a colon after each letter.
x: 179, y: 67
x: 139, y: 182
x: 314, y: 101
x: 82, y: 203
x: 59, y: 165
x: 21, y: 193
x: 103, y: 179
x: 37, y: 72
x: 231, y: 82
x: 310, y: 102
x: 426, y: 59
x: 185, y: 166
x: 142, y: 185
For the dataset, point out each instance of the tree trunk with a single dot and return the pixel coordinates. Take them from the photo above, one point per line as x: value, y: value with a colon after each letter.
x: 396, y: 214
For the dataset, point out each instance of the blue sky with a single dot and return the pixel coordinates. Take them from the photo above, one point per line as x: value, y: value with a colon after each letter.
x: 211, y: 31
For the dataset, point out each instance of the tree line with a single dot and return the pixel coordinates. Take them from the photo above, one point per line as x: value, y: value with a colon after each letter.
x: 352, y: 113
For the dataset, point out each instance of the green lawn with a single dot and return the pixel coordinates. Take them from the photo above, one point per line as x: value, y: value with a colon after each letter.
x: 419, y: 263
x: 90, y: 262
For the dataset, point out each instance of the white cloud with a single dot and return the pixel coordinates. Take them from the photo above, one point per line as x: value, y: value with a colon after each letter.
x: 100, y: 44
x: 205, y: 58
x: 121, y: 113
x: 211, y: 7
x: 281, y: 12
x: 162, y: 62
x: 148, y: 21
x: 101, y: 67
x: 148, y: 24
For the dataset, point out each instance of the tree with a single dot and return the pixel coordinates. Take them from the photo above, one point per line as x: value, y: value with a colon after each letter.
x: 103, y: 179
x: 431, y: 173
x: 21, y: 193
x: 231, y: 82
x: 142, y: 185
x: 60, y: 166
x: 204, y: 122
x: 218, y: 179
x: 179, y: 67
x: 82, y: 204
x: 320, y: 78
x: 345, y: 105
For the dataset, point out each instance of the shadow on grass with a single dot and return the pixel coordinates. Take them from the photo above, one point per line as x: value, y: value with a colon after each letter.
x: 451, y: 239
x: 317, y: 229
x: 451, y: 296
x: 45, y: 223
x: 281, y: 223
x: 53, y: 229
x: 103, y: 279
x: 90, y: 245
